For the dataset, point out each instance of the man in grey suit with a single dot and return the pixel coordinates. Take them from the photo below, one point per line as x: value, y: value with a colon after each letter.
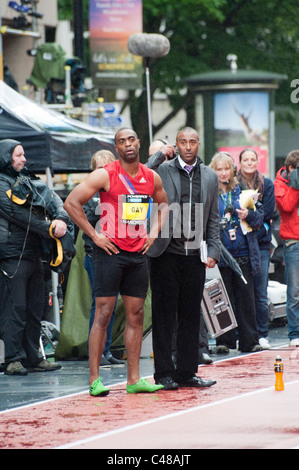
x: 188, y: 244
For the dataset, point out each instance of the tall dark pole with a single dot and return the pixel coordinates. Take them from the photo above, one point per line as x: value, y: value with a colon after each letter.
x: 78, y: 29
x: 1, y: 51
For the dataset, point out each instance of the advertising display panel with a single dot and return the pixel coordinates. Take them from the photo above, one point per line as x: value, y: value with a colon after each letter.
x: 111, y: 23
x: 241, y: 119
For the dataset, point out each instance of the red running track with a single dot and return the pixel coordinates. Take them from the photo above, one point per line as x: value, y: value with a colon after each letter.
x: 242, y: 411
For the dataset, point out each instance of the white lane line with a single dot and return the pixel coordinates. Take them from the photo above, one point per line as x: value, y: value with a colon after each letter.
x: 164, y: 418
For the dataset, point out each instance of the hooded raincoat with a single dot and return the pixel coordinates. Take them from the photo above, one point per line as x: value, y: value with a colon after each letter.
x: 22, y: 225
x: 287, y: 201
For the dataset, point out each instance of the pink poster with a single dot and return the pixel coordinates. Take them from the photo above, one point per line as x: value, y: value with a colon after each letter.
x: 241, y: 120
x: 261, y: 152
x: 111, y: 23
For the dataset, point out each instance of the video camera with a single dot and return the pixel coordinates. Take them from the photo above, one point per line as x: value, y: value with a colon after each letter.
x: 294, y: 178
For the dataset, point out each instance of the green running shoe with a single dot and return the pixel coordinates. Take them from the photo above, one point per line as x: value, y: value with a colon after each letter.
x: 143, y: 386
x: 97, y: 388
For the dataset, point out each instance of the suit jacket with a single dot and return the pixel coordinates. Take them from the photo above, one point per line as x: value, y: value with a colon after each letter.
x: 171, y: 181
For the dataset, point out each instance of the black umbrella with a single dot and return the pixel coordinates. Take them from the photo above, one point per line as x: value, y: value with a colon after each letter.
x: 231, y: 262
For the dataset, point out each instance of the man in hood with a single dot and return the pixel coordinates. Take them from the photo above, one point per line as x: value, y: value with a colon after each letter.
x: 287, y: 200
x: 21, y: 269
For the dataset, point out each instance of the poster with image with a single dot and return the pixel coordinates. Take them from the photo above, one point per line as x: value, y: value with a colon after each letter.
x: 111, y: 23
x: 241, y: 120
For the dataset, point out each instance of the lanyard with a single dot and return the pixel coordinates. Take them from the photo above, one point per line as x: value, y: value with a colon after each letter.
x: 226, y: 198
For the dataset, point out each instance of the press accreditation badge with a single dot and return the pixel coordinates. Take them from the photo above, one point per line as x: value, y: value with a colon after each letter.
x: 135, y: 208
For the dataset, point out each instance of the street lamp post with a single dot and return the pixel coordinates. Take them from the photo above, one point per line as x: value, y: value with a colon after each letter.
x: 78, y: 29
x: 1, y: 53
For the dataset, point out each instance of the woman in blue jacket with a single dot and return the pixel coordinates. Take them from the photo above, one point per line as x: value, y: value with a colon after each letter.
x: 244, y: 248
x: 250, y: 178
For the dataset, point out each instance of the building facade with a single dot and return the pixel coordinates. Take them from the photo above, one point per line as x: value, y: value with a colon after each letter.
x: 15, y: 44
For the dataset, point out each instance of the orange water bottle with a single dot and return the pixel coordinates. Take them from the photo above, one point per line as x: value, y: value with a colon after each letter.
x: 278, y: 369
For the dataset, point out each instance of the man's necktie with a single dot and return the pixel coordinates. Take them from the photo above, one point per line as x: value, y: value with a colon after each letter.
x: 188, y: 168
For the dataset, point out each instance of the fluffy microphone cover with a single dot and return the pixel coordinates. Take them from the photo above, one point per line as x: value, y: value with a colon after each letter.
x: 148, y: 45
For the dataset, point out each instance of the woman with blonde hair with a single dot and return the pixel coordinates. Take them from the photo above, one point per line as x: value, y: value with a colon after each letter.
x: 101, y: 159
x: 244, y: 248
x: 250, y: 178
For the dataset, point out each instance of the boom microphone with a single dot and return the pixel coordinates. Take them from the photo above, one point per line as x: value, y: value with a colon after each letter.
x: 148, y: 45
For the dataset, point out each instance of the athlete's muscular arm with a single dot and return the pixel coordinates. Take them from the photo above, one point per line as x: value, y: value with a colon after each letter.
x: 97, y: 180
x: 161, y: 199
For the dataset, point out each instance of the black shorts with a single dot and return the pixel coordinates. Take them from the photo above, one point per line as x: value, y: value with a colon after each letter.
x: 126, y: 273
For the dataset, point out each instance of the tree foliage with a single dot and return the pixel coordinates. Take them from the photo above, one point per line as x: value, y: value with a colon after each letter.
x: 264, y: 36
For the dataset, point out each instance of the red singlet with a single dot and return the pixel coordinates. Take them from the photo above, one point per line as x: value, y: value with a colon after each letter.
x: 125, y: 207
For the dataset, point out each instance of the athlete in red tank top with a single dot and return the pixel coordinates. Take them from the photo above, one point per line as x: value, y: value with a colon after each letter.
x: 125, y: 207
x: 126, y: 188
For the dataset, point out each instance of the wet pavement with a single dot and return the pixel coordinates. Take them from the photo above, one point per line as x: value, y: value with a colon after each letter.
x: 72, y: 378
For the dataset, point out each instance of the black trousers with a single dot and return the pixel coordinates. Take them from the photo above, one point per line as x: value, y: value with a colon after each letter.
x: 21, y: 309
x: 242, y: 298
x: 177, y: 284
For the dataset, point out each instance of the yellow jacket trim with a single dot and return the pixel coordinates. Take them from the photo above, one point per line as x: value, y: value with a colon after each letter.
x: 16, y: 199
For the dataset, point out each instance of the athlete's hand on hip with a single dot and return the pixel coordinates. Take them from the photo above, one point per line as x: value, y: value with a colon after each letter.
x: 147, y: 244
x: 106, y: 244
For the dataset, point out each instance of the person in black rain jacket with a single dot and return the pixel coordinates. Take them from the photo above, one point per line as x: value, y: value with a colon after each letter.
x: 22, y: 231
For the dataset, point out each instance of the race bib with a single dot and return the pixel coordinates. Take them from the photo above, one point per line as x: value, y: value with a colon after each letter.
x: 135, y: 208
